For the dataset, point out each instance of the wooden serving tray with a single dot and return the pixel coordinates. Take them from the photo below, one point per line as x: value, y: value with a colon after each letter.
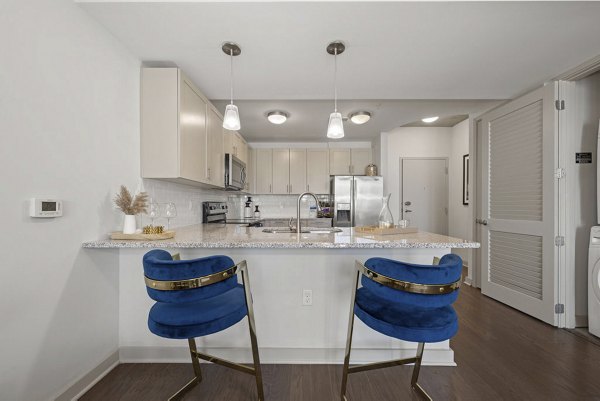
x: 146, y: 237
x: 374, y: 230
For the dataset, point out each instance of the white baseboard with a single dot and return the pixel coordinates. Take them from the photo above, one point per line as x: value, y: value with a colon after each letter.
x: 468, y: 281
x: 432, y: 356
x: 86, y: 381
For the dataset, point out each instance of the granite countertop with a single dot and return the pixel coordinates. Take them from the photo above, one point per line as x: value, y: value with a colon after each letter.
x: 232, y: 236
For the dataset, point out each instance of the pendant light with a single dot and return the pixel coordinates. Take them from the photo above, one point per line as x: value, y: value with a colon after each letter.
x: 231, y: 119
x: 335, y: 129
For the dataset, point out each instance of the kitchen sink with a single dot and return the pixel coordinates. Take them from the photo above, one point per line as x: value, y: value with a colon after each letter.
x: 304, y: 231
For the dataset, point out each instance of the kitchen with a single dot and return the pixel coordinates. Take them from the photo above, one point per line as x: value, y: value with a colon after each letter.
x: 71, y: 131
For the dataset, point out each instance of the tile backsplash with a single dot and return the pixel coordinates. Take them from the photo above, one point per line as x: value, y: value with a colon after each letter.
x: 272, y: 206
x: 188, y: 200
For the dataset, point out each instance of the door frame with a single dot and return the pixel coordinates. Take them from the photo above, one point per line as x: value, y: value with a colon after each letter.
x: 564, y: 275
x: 401, y: 188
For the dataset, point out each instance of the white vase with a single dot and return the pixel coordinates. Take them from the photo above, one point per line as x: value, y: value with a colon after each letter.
x: 129, y: 224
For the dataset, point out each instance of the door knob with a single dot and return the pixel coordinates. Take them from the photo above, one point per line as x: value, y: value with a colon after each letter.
x: 408, y: 211
x: 484, y: 222
x: 407, y: 203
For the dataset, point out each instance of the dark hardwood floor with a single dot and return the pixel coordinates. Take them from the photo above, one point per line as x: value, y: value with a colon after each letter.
x: 501, y: 354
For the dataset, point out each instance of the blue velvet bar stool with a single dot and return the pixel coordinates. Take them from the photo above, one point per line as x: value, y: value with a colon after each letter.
x: 405, y: 301
x: 198, y: 297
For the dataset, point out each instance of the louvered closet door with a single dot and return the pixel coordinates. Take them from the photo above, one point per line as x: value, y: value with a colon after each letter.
x: 519, y: 157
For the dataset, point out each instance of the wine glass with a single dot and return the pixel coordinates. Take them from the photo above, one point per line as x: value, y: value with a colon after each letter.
x: 170, y: 212
x: 153, y: 212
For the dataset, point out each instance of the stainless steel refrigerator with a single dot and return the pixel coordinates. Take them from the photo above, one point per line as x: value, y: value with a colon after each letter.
x: 357, y: 200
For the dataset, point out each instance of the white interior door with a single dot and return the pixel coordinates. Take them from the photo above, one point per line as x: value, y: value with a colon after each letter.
x: 425, y: 193
x: 518, y: 203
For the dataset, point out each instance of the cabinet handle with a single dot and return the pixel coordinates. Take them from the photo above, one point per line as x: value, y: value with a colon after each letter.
x: 308, y: 187
x: 291, y: 188
x: 208, y: 173
x: 270, y: 190
x: 349, y: 169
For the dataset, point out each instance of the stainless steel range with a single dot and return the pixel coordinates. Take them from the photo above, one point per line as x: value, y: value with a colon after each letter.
x: 216, y: 212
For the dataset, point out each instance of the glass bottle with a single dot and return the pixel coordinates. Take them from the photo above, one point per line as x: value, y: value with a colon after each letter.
x: 386, y: 220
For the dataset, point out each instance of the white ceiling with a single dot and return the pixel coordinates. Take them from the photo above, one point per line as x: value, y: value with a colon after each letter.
x: 394, y: 51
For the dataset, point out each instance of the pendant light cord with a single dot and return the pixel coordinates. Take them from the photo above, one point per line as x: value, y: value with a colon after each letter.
x: 231, y: 71
x: 335, y: 80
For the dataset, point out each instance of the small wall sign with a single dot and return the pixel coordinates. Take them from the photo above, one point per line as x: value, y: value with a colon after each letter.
x: 583, y: 158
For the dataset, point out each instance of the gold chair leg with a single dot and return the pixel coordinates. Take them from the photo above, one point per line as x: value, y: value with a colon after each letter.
x: 197, y: 373
x: 349, y: 340
x: 415, y: 376
x: 252, y: 327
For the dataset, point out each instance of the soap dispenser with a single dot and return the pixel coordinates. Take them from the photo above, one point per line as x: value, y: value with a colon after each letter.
x: 248, y: 208
x: 256, y: 212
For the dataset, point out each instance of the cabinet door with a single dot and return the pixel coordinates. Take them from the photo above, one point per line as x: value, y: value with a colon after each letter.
x: 317, y: 171
x: 281, y: 171
x: 264, y: 171
x: 360, y: 159
x: 242, y: 149
x: 192, y: 135
x: 228, y: 141
x: 251, y: 172
x: 216, y: 160
x: 297, y: 171
x: 339, y: 162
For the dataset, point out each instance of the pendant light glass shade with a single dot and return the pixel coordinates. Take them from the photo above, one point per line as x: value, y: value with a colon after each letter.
x: 231, y: 119
x: 335, y: 129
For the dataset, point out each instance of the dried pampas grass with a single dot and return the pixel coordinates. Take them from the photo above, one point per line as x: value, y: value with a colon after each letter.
x: 129, y: 204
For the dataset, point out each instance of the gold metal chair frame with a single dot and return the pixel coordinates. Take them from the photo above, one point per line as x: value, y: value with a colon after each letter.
x: 398, y: 285
x: 203, y: 281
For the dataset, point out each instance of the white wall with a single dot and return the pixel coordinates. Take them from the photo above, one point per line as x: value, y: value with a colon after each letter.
x: 459, y: 215
x: 451, y: 143
x: 409, y: 142
x: 582, y: 178
x: 69, y: 121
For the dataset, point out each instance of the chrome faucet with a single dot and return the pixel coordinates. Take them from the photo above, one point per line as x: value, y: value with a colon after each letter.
x: 298, y: 230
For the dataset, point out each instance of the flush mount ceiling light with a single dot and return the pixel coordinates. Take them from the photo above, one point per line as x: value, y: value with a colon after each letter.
x: 231, y: 119
x: 335, y: 129
x: 277, y: 116
x: 429, y: 119
x: 360, y: 117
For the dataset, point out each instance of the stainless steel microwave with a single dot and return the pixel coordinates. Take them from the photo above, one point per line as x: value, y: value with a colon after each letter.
x: 235, y: 173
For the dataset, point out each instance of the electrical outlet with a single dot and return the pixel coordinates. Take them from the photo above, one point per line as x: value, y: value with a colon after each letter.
x: 307, y: 297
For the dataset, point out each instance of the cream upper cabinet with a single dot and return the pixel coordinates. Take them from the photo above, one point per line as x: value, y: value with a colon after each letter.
x: 250, y: 172
x: 344, y: 161
x: 281, y: 171
x: 297, y: 170
x: 339, y: 161
x: 360, y: 159
x: 236, y: 145
x: 177, y: 142
x: 216, y: 160
x: 263, y: 170
x: 317, y: 171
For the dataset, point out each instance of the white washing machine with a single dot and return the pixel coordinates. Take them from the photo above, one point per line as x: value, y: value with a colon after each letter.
x: 594, y: 282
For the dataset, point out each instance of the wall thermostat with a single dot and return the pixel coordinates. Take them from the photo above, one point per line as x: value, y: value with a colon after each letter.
x: 45, y: 208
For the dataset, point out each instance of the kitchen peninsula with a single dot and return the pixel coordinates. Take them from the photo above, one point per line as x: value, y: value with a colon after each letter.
x: 281, y: 267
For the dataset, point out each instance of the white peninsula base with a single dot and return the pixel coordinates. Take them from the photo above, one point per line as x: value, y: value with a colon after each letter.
x: 288, y: 332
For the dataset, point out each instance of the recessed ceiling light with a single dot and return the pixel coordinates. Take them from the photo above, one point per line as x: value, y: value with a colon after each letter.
x: 429, y: 119
x: 277, y: 116
x: 360, y: 117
